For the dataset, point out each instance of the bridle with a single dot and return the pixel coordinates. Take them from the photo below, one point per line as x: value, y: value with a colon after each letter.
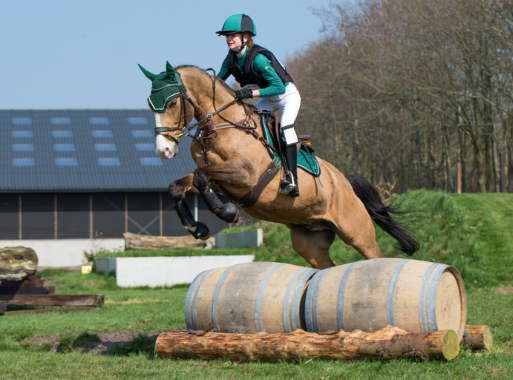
x: 208, y: 130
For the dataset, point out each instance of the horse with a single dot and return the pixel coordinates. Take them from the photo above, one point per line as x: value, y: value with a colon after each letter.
x: 232, y: 159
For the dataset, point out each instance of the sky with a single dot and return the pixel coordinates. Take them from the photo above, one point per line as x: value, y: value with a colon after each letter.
x: 65, y: 54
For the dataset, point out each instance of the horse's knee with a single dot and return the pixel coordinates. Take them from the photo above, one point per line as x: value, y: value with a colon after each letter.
x: 176, y: 191
x: 200, y: 180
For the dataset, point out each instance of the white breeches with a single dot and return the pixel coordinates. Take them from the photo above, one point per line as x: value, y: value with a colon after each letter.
x: 288, y: 103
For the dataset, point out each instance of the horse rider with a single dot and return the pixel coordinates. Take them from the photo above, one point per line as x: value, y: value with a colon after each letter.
x: 252, y: 64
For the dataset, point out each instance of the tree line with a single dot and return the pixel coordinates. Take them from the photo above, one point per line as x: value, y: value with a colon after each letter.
x: 402, y: 91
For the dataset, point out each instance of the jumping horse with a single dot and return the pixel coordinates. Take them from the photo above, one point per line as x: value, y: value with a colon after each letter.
x: 232, y: 158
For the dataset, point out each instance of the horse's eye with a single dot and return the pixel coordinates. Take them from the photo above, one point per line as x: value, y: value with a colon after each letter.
x: 171, y: 104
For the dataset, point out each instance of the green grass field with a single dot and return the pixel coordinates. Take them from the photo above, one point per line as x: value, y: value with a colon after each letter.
x: 470, y: 231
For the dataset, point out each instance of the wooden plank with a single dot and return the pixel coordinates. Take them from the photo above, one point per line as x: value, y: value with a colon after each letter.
x: 17, y: 284
x: 25, y: 290
x: 56, y: 310
x: 3, y: 307
x: 77, y: 300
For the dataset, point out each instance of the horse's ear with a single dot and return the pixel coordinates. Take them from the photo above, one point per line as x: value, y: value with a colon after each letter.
x: 170, y: 70
x: 148, y: 75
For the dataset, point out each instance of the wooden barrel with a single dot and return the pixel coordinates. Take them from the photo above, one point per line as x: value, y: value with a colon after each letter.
x: 248, y: 298
x: 416, y: 296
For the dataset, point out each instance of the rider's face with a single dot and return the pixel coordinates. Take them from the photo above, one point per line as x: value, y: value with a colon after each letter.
x: 234, y: 41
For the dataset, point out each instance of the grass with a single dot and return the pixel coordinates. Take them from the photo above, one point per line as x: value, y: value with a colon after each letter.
x: 470, y: 231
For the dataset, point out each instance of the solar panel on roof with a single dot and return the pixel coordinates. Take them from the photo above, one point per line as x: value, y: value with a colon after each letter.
x: 102, y: 133
x: 150, y: 161
x: 137, y: 120
x: 141, y: 133
x: 105, y: 147
x: 64, y: 147
x: 108, y: 161
x: 60, y: 120
x: 26, y: 133
x: 58, y: 134
x: 143, y: 147
x: 23, y: 147
x: 66, y: 162
x: 23, y: 162
x: 98, y: 120
x: 21, y: 120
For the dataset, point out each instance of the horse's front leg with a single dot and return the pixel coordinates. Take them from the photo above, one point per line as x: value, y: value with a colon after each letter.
x: 177, y: 191
x: 230, y: 172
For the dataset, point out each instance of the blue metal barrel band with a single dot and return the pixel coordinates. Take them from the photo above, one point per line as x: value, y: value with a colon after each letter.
x: 260, y: 295
x: 194, y: 323
x: 216, y: 296
x: 341, y: 294
x: 391, y: 291
x: 286, y: 301
x: 431, y: 298
x: 296, y: 298
x: 422, y: 297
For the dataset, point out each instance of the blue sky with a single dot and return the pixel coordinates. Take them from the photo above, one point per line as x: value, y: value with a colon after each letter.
x: 63, y: 54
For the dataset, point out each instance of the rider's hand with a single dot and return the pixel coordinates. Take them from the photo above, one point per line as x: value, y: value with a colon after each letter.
x: 244, y: 93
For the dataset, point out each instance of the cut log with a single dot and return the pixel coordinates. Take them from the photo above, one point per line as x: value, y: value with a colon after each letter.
x: 16, y: 263
x: 76, y: 300
x: 145, y: 242
x: 385, y: 344
x: 479, y: 337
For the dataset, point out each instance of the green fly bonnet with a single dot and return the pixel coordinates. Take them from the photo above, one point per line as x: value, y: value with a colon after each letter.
x: 164, y: 87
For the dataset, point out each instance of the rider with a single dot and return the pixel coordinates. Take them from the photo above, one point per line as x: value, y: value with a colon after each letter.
x: 252, y: 64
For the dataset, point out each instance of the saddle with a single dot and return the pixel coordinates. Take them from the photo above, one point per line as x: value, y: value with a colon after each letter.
x: 274, y: 128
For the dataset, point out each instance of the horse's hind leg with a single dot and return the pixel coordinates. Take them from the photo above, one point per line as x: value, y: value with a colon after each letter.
x: 313, y: 246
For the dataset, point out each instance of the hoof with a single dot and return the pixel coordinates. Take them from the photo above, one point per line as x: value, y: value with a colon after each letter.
x: 199, y: 231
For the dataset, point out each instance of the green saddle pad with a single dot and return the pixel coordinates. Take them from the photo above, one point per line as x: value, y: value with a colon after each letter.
x: 305, y: 160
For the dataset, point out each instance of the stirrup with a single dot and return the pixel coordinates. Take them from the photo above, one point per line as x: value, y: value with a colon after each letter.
x: 287, y: 184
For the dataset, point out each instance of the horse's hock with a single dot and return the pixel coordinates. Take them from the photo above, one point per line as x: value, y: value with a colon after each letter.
x: 16, y: 263
x: 416, y: 296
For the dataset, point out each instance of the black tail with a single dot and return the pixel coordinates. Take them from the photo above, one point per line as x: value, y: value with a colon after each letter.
x: 380, y: 213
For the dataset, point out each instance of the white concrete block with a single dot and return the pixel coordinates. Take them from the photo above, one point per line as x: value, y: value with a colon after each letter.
x: 66, y: 252
x: 168, y: 271
x: 252, y: 238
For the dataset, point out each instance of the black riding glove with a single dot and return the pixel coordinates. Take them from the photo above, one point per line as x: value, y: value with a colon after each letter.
x: 245, y: 93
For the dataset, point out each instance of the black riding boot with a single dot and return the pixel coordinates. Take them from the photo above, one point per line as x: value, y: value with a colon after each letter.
x: 288, y: 184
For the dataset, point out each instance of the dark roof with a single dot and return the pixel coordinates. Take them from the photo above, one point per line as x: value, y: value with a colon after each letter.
x: 85, y: 150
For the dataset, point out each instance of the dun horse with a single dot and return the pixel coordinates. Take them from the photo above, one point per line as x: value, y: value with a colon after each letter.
x: 233, y: 159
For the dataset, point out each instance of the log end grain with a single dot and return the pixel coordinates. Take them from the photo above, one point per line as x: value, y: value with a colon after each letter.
x: 479, y: 337
x: 450, y: 345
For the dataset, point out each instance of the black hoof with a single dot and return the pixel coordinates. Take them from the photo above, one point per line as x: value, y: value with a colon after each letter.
x: 200, y: 231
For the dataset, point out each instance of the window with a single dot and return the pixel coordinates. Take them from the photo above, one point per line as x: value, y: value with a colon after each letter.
x: 23, y: 162
x: 143, y: 147
x: 109, y: 161
x: 137, y: 120
x: 21, y: 120
x: 27, y: 133
x: 23, y: 147
x: 150, y: 161
x: 60, y: 120
x: 66, y: 162
x: 142, y: 133
x: 98, y: 120
x: 105, y: 147
x: 102, y: 133
x: 58, y: 134
x: 64, y: 147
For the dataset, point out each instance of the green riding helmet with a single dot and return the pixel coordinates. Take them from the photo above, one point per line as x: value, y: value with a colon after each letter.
x: 240, y: 23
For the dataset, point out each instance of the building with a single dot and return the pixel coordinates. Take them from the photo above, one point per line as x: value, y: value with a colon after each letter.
x: 82, y: 174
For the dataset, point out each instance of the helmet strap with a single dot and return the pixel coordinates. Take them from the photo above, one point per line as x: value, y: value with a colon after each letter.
x: 243, y: 44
